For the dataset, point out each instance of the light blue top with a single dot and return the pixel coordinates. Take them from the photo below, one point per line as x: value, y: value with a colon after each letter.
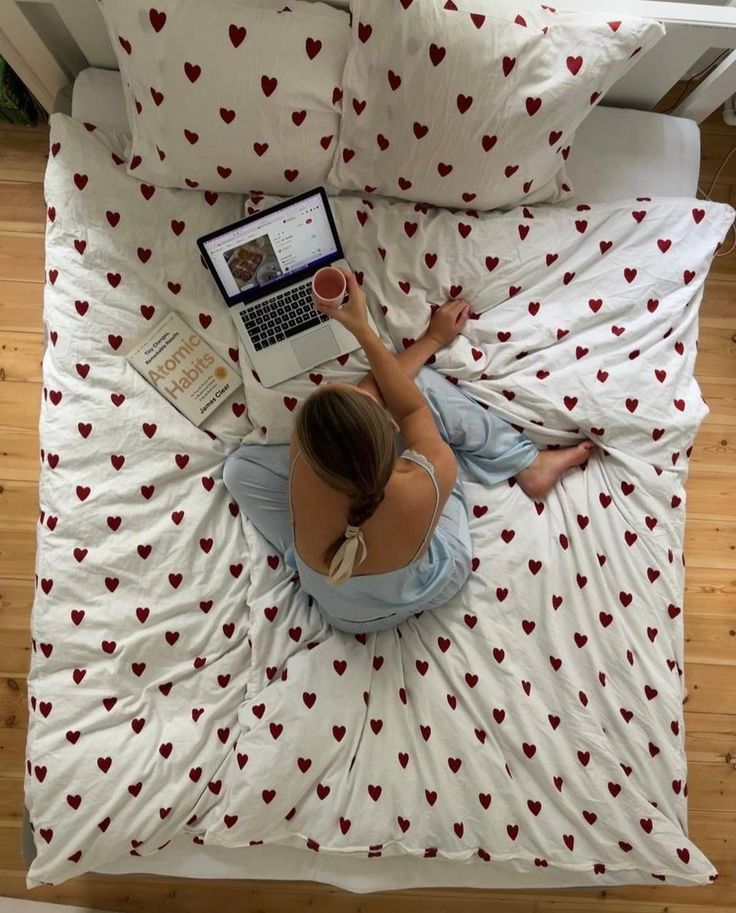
x: 375, y: 602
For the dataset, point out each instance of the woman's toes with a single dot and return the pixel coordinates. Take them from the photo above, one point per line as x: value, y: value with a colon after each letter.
x: 580, y: 453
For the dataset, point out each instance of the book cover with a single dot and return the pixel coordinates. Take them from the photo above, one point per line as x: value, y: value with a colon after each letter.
x: 179, y: 364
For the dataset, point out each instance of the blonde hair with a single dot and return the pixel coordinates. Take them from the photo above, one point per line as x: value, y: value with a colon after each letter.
x: 349, y: 441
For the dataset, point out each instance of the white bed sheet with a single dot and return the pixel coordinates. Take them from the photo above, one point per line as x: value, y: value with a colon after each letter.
x: 617, y: 152
x: 183, y: 859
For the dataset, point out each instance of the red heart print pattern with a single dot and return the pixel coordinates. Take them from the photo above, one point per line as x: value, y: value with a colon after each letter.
x: 517, y: 120
x: 164, y: 154
x: 440, y: 717
x: 436, y: 54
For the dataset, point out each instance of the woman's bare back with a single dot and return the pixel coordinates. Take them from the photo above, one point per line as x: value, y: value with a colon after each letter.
x: 392, y: 535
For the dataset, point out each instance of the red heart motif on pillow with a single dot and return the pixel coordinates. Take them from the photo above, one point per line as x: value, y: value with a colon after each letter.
x: 193, y: 71
x: 157, y: 19
x: 268, y: 85
x: 436, y: 54
x: 533, y: 105
x: 313, y: 46
x: 237, y: 35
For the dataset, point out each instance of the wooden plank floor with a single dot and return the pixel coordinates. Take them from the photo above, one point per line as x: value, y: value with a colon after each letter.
x: 710, y: 604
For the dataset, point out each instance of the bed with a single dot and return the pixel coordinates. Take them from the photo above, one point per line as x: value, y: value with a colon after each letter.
x: 191, y: 673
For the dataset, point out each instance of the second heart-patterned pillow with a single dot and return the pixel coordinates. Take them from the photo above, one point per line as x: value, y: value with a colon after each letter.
x: 242, y: 96
x: 477, y: 108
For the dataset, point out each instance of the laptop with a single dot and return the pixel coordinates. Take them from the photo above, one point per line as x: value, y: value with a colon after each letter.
x: 263, y: 266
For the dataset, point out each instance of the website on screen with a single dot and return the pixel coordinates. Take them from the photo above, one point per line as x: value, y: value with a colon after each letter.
x: 257, y: 254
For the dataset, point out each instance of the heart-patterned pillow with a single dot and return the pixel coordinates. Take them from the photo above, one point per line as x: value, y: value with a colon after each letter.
x: 246, y: 97
x: 473, y: 109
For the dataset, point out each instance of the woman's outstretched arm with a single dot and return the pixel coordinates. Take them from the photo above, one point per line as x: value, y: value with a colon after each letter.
x: 446, y: 323
x: 401, y: 395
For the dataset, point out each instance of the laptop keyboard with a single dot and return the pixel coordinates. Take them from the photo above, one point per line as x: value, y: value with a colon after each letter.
x: 281, y: 316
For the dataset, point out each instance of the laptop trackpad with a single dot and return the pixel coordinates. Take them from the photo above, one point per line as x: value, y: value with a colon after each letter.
x: 314, y: 348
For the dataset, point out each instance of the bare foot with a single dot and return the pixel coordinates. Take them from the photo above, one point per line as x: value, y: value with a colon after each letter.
x: 537, y: 479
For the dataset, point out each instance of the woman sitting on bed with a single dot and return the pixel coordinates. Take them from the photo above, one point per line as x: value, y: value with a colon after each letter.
x: 375, y: 534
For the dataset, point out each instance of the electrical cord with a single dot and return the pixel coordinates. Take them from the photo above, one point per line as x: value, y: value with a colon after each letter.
x: 707, y: 194
x: 704, y: 72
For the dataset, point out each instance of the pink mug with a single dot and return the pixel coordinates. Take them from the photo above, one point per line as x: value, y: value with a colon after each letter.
x: 328, y: 287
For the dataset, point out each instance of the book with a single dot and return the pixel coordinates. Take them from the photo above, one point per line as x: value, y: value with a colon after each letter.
x: 180, y: 365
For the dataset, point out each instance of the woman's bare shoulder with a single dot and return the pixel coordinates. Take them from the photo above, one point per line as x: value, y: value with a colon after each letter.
x: 412, y: 487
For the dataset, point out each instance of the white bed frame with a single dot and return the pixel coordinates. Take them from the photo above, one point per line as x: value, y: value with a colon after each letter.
x: 47, y: 42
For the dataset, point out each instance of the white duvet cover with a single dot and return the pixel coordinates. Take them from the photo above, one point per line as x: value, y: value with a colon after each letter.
x: 181, y: 682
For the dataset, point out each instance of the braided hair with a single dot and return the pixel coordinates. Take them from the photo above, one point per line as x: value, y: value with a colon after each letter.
x: 363, y: 508
x: 349, y: 441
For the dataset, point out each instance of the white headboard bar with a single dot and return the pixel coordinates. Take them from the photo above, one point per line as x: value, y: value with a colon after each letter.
x: 661, y: 67
x: 84, y: 20
x: 45, y: 65
x: 27, y: 54
x: 700, y: 15
x: 711, y: 93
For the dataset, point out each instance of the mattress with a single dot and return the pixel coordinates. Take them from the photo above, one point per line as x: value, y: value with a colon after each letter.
x: 505, y: 389
x: 617, y: 152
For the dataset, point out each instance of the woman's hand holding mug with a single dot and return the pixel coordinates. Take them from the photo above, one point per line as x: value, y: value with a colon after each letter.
x: 354, y: 314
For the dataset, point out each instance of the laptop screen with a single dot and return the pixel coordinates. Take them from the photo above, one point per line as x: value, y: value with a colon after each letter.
x: 251, y: 257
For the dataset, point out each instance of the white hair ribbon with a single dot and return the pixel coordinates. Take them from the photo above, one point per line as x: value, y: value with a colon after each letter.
x: 344, y: 561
